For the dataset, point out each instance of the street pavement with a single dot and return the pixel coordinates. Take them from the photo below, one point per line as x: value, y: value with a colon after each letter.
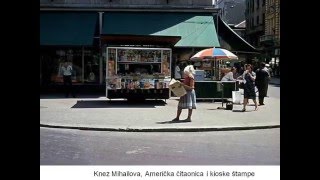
x: 99, y: 113
x: 274, y: 81
x: 74, y: 147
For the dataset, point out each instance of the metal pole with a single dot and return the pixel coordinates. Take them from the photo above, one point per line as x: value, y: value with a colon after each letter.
x: 100, y: 48
x: 218, y: 22
x: 222, y: 93
x: 82, y: 57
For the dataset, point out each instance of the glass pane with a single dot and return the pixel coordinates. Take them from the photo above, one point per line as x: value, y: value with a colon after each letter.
x: 111, y: 62
x: 75, y: 57
x: 165, y: 69
x: 91, y: 66
x: 49, y: 66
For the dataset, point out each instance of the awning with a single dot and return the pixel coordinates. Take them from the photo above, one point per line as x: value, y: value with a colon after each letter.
x: 195, y: 29
x: 236, y: 42
x: 67, y: 28
x: 140, y: 40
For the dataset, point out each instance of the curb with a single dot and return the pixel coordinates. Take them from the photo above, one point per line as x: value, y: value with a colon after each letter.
x: 275, y: 84
x: 164, y: 129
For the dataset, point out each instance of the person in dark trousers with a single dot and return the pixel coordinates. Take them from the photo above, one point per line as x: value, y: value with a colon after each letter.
x: 67, y: 81
x: 262, y: 81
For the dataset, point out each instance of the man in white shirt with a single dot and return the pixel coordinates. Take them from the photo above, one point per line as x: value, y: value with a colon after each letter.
x: 229, y: 76
x: 67, y: 81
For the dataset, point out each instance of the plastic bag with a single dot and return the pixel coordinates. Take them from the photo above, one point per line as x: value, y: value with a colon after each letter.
x: 237, y: 97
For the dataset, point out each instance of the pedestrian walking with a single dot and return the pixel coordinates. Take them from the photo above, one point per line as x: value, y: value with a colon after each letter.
x: 249, y: 92
x: 262, y: 81
x: 188, y: 101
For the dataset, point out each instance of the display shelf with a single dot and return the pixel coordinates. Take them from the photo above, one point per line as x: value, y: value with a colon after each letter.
x: 139, y: 72
x: 130, y: 62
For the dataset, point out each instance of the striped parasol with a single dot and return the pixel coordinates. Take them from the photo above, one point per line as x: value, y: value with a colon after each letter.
x: 215, y: 53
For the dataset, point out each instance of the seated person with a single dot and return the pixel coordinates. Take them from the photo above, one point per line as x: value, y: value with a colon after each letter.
x: 230, y: 75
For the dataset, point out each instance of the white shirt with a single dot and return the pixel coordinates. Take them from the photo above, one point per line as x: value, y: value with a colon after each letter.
x: 266, y: 69
x: 177, y: 74
x: 66, y: 71
x: 228, y: 77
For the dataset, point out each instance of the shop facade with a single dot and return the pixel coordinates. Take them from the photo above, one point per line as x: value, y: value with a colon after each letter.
x: 84, y: 38
x: 69, y: 37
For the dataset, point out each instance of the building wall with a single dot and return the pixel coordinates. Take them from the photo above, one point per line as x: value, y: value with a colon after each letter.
x: 90, y: 60
x: 127, y: 2
x: 272, y: 30
x: 255, y: 23
x: 240, y: 32
x: 273, y: 19
x: 232, y: 11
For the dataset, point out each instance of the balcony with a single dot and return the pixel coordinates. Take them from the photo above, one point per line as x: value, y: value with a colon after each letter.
x: 267, y: 39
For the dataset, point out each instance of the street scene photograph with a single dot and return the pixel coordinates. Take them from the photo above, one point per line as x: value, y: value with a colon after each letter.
x: 160, y: 82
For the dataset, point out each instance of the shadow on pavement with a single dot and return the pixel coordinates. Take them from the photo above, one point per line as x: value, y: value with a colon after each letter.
x: 237, y: 111
x: 118, y: 104
x: 242, y: 111
x: 62, y: 96
x: 171, y: 122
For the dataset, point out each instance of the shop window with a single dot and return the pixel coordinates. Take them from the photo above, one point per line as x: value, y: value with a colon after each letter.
x: 111, y: 62
x: 48, y: 66
x: 59, y: 57
x: 252, y: 5
x: 85, y: 64
x: 252, y: 22
x: 166, y: 66
x: 91, y: 67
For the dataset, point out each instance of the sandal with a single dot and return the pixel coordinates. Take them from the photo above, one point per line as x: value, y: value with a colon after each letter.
x: 243, y: 110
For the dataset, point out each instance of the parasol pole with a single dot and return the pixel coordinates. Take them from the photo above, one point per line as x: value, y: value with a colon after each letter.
x: 221, y: 85
x: 222, y: 96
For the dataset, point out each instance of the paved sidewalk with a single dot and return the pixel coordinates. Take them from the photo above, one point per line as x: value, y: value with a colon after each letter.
x: 117, y: 115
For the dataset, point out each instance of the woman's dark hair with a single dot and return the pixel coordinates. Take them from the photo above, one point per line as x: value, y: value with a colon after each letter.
x: 248, y: 65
